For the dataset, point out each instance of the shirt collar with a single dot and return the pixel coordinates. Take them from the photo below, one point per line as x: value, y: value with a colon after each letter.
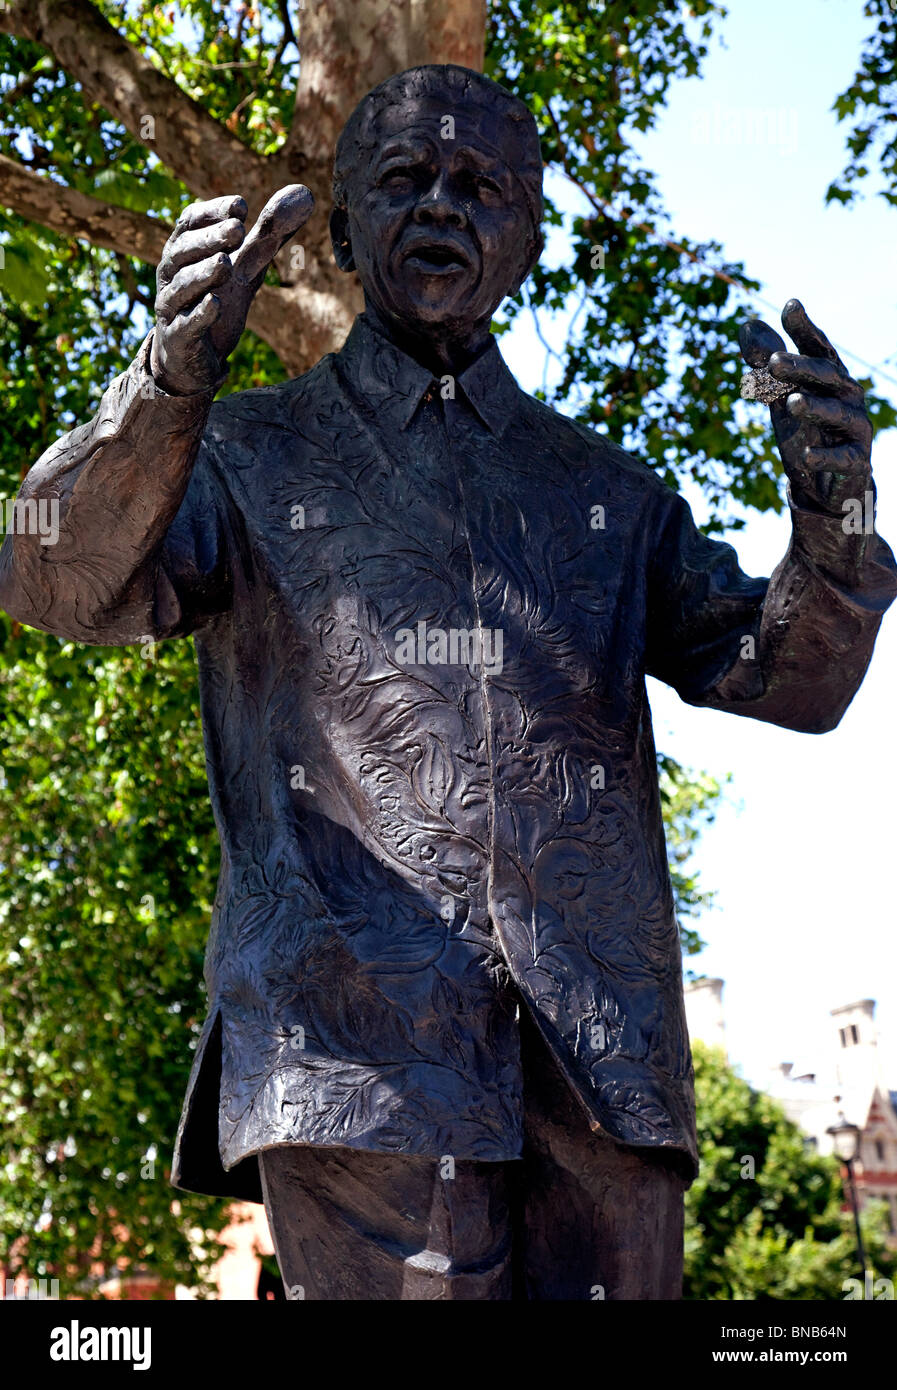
x: 395, y: 384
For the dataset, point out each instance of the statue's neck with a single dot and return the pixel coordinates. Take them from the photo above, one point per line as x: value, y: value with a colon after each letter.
x: 439, y: 352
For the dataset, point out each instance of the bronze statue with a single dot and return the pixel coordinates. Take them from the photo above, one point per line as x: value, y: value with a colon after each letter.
x: 446, y: 1041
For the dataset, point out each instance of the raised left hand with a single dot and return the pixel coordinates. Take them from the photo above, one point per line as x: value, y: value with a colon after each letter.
x: 822, y: 429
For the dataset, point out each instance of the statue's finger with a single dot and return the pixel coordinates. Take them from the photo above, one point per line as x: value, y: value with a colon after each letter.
x: 810, y: 340
x: 818, y: 373
x: 842, y: 458
x: 195, y: 234
x: 847, y: 420
x: 758, y: 342
x: 280, y: 218
x: 201, y: 319
x: 190, y: 284
x: 203, y: 242
x: 214, y: 210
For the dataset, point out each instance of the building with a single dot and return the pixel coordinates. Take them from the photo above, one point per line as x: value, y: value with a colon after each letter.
x: 844, y: 1083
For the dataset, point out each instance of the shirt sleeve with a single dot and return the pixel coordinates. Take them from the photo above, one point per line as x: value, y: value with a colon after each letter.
x: 119, y: 531
x: 791, y: 650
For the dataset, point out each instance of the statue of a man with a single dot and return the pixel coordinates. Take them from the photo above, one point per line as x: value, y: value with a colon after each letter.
x: 446, y: 1042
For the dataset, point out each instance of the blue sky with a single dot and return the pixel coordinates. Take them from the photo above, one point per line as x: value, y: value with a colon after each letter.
x: 803, y: 852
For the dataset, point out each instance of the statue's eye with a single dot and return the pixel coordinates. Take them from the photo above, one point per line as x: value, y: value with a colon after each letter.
x: 480, y: 184
x: 400, y: 176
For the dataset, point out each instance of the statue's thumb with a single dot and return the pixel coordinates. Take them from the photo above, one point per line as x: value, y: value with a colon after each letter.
x: 280, y: 218
x: 758, y: 342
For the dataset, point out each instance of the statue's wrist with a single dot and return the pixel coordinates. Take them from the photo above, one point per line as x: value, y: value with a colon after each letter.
x: 179, y: 390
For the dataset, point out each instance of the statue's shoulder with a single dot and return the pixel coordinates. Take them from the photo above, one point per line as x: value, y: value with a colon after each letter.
x: 249, y: 416
x: 588, y: 450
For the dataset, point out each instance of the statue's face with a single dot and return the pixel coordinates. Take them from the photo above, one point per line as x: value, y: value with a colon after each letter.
x: 439, y: 228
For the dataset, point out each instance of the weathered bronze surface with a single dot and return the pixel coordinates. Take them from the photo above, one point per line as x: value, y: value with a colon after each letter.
x: 424, y: 607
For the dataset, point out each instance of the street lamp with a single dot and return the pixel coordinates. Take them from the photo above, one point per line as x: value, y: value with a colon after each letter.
x: 846, y: 1143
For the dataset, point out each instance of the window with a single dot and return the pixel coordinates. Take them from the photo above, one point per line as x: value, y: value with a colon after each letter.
x: 879, y: 1151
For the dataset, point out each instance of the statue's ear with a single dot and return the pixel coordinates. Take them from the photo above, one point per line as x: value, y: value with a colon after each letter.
x: 339, y: 235
x: 537, y: 249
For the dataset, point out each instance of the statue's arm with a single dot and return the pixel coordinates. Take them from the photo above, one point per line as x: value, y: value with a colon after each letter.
x: 791, y: 650
x: 102, y: 567
x: 140, y: 550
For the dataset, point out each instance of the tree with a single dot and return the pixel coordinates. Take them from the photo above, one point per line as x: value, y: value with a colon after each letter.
x: 105, y: 841
x: 116, y: 114
x: 870, y: 103
x: 689, y: 802
x: 764, y: 1218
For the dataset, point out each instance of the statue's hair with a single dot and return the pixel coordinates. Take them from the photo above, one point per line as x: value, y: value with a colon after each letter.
x: 463, y: 86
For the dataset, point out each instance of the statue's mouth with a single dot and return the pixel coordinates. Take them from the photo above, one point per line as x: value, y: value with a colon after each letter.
x: 436, y: 257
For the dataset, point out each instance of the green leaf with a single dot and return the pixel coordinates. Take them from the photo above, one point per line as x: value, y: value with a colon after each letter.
x: 23, y: 277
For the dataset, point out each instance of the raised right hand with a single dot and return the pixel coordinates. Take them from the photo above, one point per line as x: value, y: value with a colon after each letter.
x: 208, y: 275
x: 821, y: 425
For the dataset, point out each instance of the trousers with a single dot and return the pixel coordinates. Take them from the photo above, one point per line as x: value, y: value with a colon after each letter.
x: 578, y: 1217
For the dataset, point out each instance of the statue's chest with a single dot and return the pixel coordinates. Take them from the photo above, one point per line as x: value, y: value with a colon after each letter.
x: 381, y: 535
x: 408, y: 570
x: 442, y: 624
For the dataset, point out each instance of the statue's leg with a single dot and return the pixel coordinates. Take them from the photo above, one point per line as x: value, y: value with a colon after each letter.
x: 593, y: 1219
x: 348, y: 1224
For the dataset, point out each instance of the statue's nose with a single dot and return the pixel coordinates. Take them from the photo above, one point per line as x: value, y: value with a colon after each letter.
x: 440, y: 204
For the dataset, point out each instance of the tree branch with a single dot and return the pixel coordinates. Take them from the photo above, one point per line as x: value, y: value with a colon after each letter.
x: 114, y: 74
x: 74, y: 214
x: 323, y: 319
